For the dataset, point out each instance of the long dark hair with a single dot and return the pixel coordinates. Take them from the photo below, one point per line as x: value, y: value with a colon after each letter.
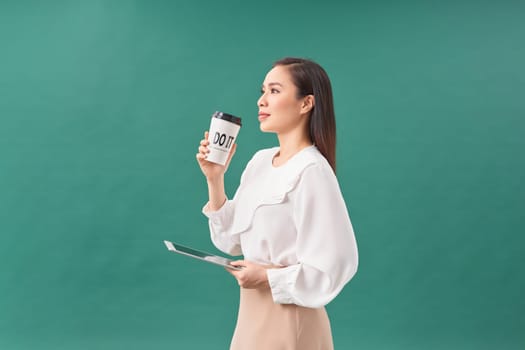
x: 311, y: 79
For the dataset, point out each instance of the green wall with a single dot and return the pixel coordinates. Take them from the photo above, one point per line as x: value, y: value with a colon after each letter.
x: 102, y: 105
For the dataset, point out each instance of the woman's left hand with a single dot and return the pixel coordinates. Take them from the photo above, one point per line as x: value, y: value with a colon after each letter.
x: 252, y: 275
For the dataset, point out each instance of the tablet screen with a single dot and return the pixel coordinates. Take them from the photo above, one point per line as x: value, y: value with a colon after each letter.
x: 199, y: 254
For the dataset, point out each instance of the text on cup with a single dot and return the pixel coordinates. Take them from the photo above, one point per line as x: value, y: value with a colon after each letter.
x: 223, y: 140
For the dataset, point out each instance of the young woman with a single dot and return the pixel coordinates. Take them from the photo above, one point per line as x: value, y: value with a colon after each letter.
x: 288, y: 217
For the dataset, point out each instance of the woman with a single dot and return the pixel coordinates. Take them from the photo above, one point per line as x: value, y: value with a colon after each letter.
x: 288, y: 217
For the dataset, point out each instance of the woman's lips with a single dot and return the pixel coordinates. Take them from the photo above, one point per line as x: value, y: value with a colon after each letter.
x: 263, y: 116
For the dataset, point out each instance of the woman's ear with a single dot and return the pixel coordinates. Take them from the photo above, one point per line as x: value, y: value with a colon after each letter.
x: 308, y: 104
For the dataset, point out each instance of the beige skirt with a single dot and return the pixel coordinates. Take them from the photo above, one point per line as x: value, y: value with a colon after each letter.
x: 264, y: 325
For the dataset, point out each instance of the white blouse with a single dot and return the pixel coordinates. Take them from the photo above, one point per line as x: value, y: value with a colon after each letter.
x: 292, y: 216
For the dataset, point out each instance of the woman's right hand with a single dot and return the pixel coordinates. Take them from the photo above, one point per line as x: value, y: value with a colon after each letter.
x: 212, y: 170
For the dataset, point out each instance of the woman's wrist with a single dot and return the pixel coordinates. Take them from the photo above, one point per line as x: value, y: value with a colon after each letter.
x: 215, y: 180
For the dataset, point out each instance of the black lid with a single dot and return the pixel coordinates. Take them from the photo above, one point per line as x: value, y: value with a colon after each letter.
x: 228, y: 117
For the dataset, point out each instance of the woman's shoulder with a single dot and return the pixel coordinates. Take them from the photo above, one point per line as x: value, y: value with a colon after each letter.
x: 308, y: 157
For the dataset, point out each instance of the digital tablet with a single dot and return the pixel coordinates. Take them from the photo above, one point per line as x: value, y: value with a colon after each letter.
x: 198, y: 254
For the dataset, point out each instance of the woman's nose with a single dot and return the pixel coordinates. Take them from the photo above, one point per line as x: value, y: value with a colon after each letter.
x: 262, y: 100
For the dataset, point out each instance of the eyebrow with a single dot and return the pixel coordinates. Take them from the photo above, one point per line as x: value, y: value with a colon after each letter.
x: 273, y: 84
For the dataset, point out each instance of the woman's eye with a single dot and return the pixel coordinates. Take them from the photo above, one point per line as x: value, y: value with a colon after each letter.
x: 272, y: 91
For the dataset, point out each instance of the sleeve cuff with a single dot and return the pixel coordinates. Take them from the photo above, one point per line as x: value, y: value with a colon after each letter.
x: 281, y: 281
x: 216, y: 215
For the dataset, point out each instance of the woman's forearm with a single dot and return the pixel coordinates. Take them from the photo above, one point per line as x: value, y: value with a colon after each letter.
x: 216, y: 193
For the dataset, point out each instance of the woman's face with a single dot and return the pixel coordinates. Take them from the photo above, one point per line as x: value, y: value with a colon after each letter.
x: 280, y: 110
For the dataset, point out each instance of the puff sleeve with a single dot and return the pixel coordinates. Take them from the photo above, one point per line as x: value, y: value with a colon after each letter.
x: 326, y: 247
x: 221, y: 222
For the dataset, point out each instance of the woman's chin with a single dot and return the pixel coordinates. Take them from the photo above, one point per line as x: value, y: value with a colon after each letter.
x: 264, y: 128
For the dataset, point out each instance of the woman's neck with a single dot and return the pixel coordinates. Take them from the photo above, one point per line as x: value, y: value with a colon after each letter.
x: 289, y: 145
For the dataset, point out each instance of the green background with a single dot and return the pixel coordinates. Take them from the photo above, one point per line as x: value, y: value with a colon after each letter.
x: 102, y: 106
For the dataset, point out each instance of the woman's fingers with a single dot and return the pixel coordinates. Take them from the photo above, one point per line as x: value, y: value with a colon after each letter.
x: 204, y: 143
x: 238, y: 263
x: 204, y: 150
x: 251, y: 276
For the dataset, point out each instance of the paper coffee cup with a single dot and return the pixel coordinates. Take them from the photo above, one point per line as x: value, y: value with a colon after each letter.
x: 223, y: 132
